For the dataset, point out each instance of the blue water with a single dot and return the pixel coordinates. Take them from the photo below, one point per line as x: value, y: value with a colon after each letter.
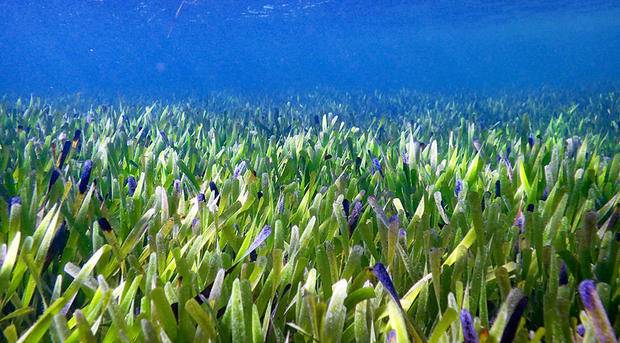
x: 181, y: 48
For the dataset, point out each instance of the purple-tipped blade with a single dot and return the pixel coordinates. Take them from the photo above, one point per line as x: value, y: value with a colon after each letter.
x: 131, y: 185
x: 53, y: 178
x: 13, y: 202
x: 85, y: 176
x: 239, y: 170
x: 512, y: 325
x: 596, y: 311
x: 385, y: 279
x: 104, y: 224
x: 467, y: 324
x: 66, y: 147
x: 354, y: 217
x: 581, y: 330
x: 260, y: 238
x: 563, y: 279
x: 177, y: 186
x: 346, y: 207
x: 458, y: 187
x: 215, y: 191
x: 200, y: 197
x: 405, y: 158
x: 376, y: 167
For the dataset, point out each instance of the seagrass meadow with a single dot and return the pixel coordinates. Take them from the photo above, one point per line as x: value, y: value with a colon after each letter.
x: 324, y: 216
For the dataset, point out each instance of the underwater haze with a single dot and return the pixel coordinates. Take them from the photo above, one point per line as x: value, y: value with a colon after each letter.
x: 309, y: 171
x: 191, y: 47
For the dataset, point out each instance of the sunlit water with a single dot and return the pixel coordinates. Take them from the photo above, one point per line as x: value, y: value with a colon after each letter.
x: 165, y: 48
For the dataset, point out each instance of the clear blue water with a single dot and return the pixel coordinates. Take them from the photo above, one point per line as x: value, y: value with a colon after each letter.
x: 165, y: 48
